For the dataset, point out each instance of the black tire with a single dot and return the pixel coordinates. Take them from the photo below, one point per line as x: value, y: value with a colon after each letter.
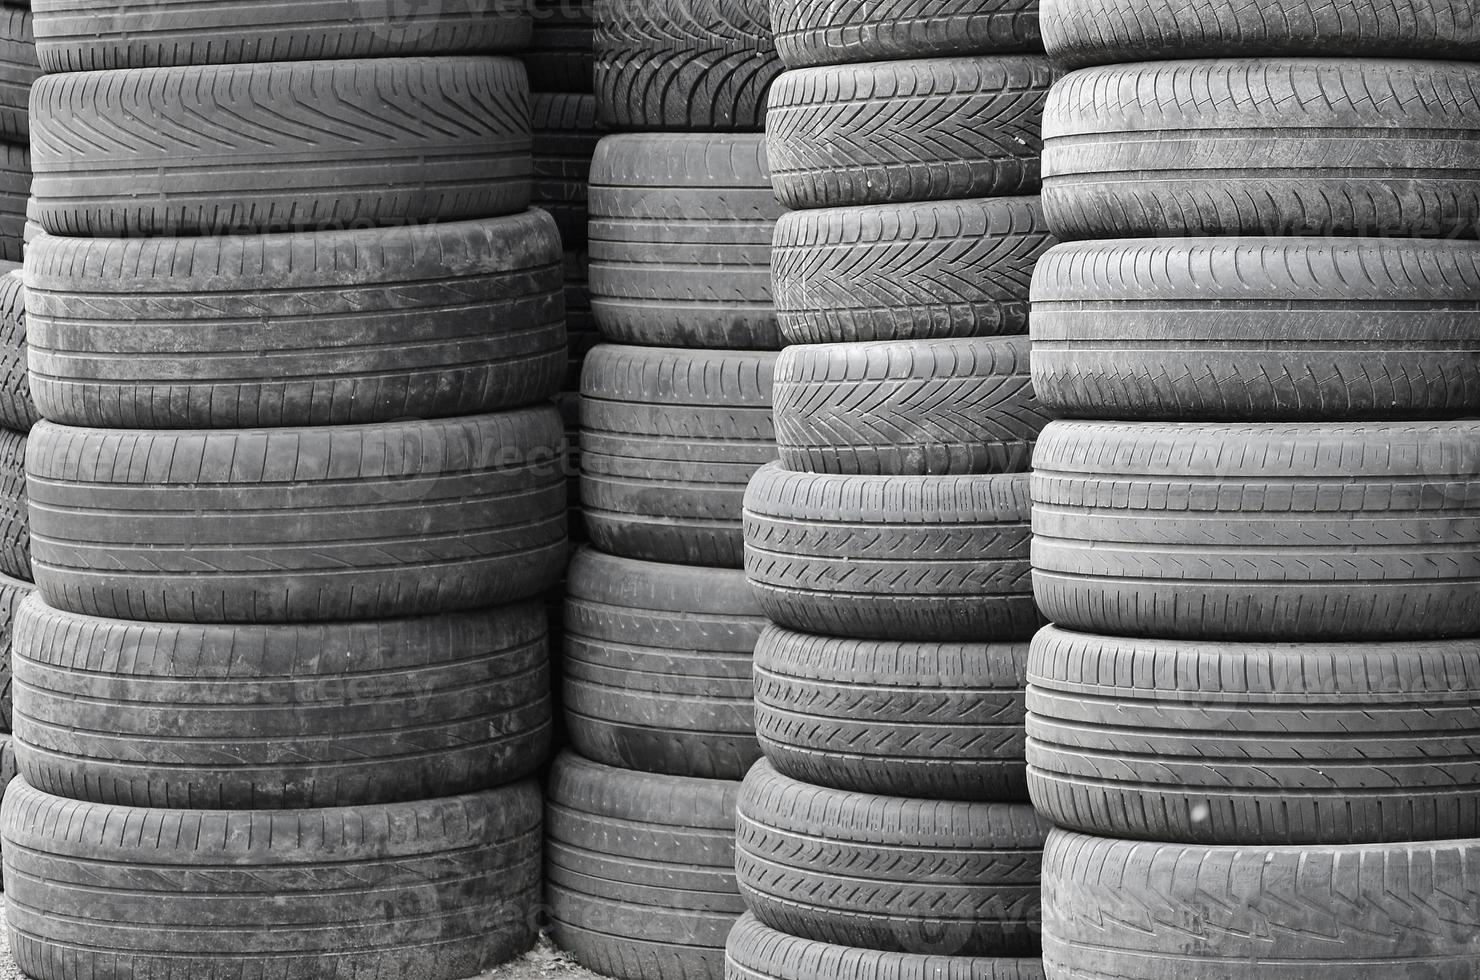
x: 1231, y: 743
x: 757, y: 952
x: 932, y: 720
x: 897, y: 131
x: 13, y: 592
x: 15, y: 518
x: 1258, y: 329
x: 560, y: 53
x: 1101, y: 32
x: 565, y: 138
x: 926, y: 271
x: 1263, y: 147
x: 89, y: 35
x: 15, y: 193
x: 436, y: 889
x: 669, y: 440
x: 889, y: 873
x: 681, y: 241
x: 1330, y: 531
x: 293, y: 146
x: 892, y: 557
x: 580, y: 325
x: 684, y: 64
x: 828, y: 32
x: 291, y: 525
x: 641, y: 870
x: 914, y: 407
x: 280, y: 717
x: 18, y: 70
x: 657, y: 672
x: 1368, y: 912
x: 330, y: 328
x: 17, y: 409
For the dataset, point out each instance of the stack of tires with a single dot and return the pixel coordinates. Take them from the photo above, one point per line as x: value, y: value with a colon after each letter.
x: 1258, y: 530
x: 675, y: 417
x: 887, y: 832
x: 293, y: 334
x: 18, y: 70
x: 17, y: 416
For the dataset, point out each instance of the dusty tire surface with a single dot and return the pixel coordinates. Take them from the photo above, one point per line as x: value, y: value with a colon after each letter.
x: 293, y: 146
x: 1257, y: 329
x: 292, y: 525
x: 17, y: 408
x: 819, y: 32
x: 1275, y: 531
x: 13, y: 592
x: 15, y: 517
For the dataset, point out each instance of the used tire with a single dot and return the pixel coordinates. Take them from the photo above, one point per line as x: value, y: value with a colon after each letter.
x: 564, y: 140
x: 891, y: 557
x: 886, y: 873
x: 437, y: 889
x: 291, y: 146
x: 281, y: 717
x: 18, y: 71
x: 15, y: 518
x: 828, y: 32
x: 559, y: 57
x: 1369, y: 912
x: 1098, y: 32
x: 291, y: 525
x: 932, y: 720
x: 1318, y: 531
x: 1258, y: 329
x: 681, y: 236
x: 897, y: 131
x: 927, y: 271
x: 658, y: 666
x: 684, y: 64
x: 12, y: 592
x: 641, y: 870
x: 17, y: 409
x: 669, y: 440
x: 921, y: 407
x: 15, y: 192
x: 1234, y: 743
x: 1264, y: 147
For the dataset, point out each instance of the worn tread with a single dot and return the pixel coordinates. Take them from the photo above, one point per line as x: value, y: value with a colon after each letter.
x: 829, y: 32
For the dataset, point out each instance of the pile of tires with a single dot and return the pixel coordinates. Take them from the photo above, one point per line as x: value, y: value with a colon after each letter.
x: 887, y: 833
x: 18, y: 70
x: 296, y: 489
x: 1254, y: 719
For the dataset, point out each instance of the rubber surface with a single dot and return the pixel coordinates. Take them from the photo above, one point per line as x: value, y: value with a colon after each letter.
x: 923, y: 407
x: 287, y: 146
x: 12, y: 592
x: 560, y: 53
x: 828, y: 32
x: 926, y: 271
x: 892, y: 557
x: 1264, y: 147
x: 17, y: 409
x: 1258, y: 329
x: 658, y: 666
x: 352, y: 327
x: 1329, y: 531
x: 681, y: 241
x: 898, y: 718
x: 272, y: 525
x: 641, y: 870
x: 435, y: 890
x: 898, y: 131
x: 15, y: 518
x: 15, y: 192
x: 669, y: 440
x: 888, y: 873
x: 18, y: 70
x: 1143, y: 911
x: 564, y: 141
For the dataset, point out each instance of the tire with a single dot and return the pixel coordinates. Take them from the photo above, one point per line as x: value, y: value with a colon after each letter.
x: 687, y: 65
x: 681, y: 241
x: 560, y: 54
x: 669, y: 440
x: 757, y: 952
x: 294, y: 525
x: 826, y: 32
x: 17, y: 410
x: 18, y: 70
x: 580, y: 325
x: 311, y: 146
x: 929, y: 271
x: 1231, y: 743
x: 886, y: 873
x: 641, y: 870
x: 332, y: 328
x: 658, y: 666
x: 15, y: 191
x: 1257, y: 329
x: 1263, y: 147
x: 280, y: 717
x: 90, y: 35
x: 12, y: 592
x: 1332, y: 531
x: 931, y: 720
x: 914, y: 407
x: 1112, y: 908
x: 898, y: 131
x: 565, y: 138
x: 1100, y: 32
x: 437, y: 889
x: 15, y: 519
x: 892, y: 557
